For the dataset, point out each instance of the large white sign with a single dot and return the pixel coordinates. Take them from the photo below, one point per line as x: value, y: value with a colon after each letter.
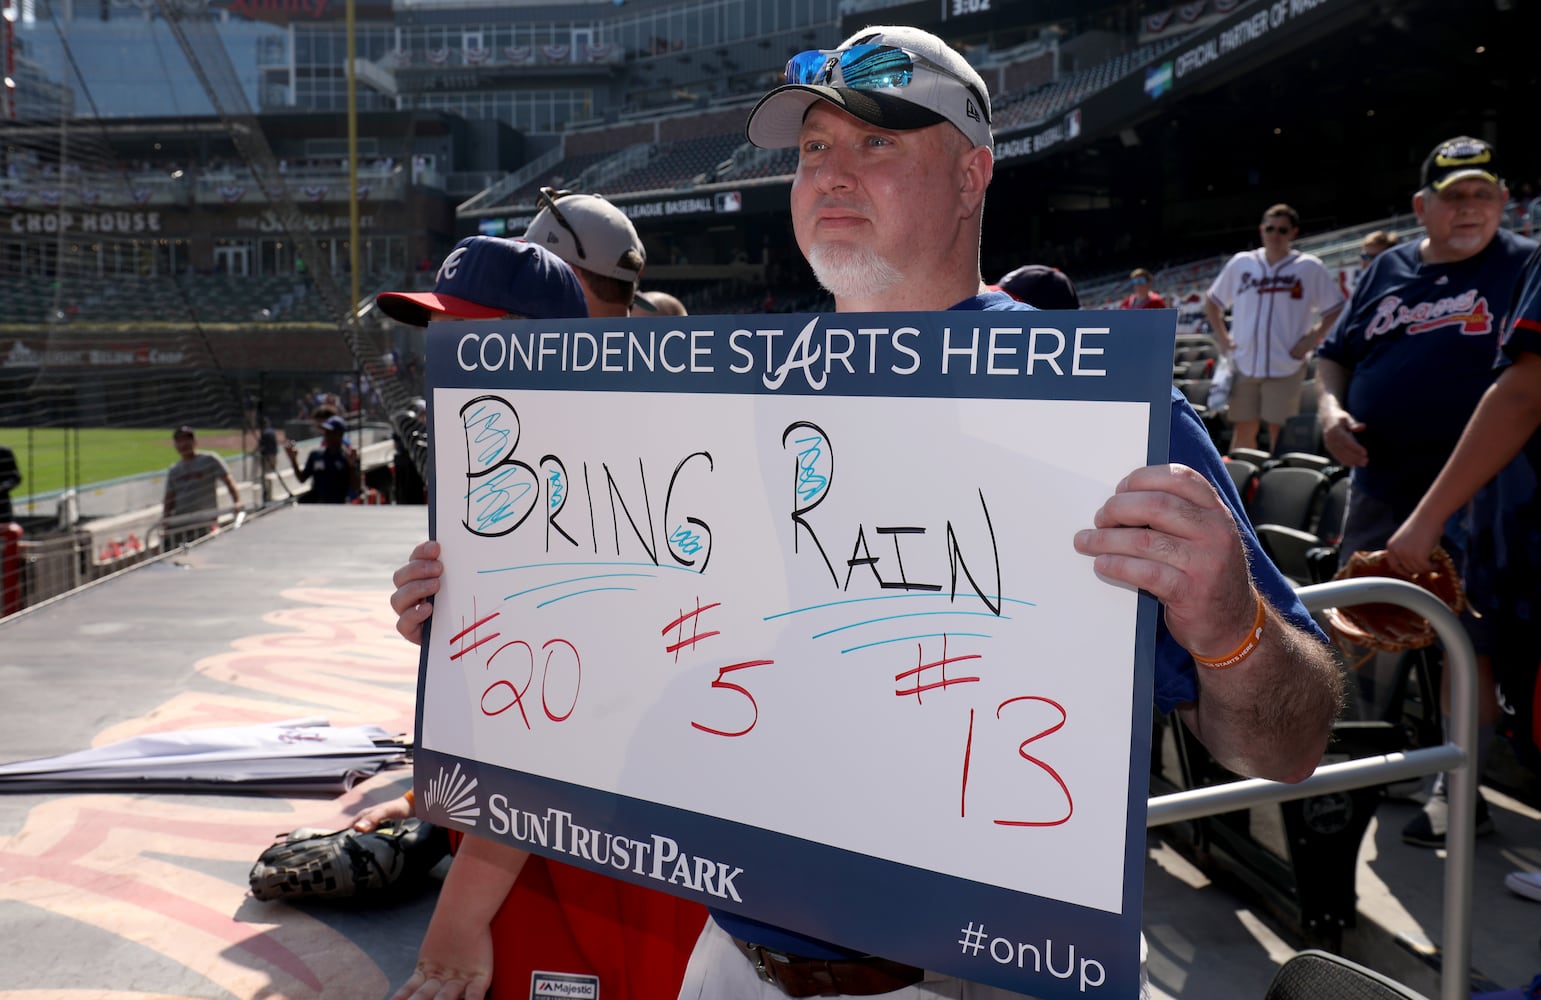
x: 768, y: 611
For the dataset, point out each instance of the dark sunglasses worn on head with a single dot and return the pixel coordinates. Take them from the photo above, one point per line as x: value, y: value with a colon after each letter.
x: 547, y: 201
x: 867, y: 67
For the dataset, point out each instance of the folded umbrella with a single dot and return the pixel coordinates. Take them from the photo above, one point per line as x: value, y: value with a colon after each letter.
x: 295, y: 755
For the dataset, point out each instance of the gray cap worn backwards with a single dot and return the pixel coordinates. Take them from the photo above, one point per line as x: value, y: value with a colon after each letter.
x: 587, y: 231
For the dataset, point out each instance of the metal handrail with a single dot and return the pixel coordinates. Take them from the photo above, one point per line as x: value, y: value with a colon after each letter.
x: 1451, y: 757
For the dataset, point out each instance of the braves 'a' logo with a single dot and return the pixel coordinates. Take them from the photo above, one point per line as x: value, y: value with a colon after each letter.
x: 451, y: 265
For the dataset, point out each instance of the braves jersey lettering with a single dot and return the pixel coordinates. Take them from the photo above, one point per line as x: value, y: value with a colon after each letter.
x: 1272, y: 284
x: 1468, y: 313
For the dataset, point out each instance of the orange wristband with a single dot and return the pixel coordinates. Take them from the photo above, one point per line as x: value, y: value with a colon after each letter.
x: 1252, y: 641
x: 410, y: 797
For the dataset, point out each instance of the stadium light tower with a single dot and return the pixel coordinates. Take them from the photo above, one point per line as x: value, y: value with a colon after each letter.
x: 353, y: 254
x: 9, y: 16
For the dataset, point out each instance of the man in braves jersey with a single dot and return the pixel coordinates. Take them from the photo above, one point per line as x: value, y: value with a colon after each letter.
x: 1410, y: 357
x: 1271, y: 293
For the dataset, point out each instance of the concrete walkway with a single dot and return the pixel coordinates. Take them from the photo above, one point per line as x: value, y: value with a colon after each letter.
x: 143, y: 894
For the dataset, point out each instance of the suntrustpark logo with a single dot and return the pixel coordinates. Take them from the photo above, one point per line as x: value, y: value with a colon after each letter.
x: 455, y: 794
x: 1158, y: 79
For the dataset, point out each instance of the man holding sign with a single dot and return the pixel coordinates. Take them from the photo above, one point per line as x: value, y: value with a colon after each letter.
x: 893, y: 132
x: 895, y: 156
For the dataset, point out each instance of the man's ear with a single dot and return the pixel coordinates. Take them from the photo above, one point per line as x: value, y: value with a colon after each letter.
x: 976, y: 167
x: 1418, y: 204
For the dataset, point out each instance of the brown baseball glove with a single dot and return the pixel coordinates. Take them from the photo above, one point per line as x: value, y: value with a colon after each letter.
x: 1392, y: 627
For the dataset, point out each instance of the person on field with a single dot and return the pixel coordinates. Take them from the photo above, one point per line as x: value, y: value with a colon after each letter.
x: 190, y: 507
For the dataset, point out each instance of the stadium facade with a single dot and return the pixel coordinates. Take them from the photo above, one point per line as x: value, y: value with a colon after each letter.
x: 182, y: 203
x: 1173, y: 116
x: 153, y: 184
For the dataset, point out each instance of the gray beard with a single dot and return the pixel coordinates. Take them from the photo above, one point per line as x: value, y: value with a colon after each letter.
x: 848, y: 271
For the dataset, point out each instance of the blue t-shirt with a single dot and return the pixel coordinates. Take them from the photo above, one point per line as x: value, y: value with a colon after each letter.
x: 1419, y: 340
x: 1176, y: 673
x: 1522, y: 334
x: 1502, y: 568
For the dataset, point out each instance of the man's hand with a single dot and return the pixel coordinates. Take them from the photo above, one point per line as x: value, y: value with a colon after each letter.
x: 1338, y: 425
x: 1216, y: 317
x: 1166, y: 531
x: 416, y: 583
x: 1305, y: 345
x: 1339, y: 430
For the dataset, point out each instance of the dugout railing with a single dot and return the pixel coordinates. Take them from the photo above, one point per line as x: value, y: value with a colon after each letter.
x: 1451, y: 757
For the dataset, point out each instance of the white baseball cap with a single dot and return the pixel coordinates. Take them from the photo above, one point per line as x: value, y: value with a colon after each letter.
x: 891, y: 76
x: 587, y: 231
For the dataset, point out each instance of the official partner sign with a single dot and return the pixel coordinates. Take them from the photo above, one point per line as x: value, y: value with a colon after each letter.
x: 782, y: 613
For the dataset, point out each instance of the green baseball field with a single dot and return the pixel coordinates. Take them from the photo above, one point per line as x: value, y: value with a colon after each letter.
x: 54, y: 458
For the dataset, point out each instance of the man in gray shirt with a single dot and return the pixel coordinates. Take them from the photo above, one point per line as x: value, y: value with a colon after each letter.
x: 192, y: 490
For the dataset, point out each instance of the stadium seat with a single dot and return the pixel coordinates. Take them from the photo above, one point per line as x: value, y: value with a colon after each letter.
x: 1310, y: 392
x: 1284, y: 512
x: 1197, y: 391
x: 1299, y: 433
x: 1303, y: 460
x: 1290, y: 549
x: 1321, y: 557
x: 1289, y: 496
x: 1321, y: 975
x: 1329, y: 523
x: 1256, y: 456
x: 1244, y: 474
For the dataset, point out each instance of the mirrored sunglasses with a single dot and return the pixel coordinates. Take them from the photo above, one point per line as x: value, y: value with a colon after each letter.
x: 868, y: 67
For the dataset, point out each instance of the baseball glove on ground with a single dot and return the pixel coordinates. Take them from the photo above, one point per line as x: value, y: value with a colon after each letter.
x: 314, y: 864
x: 1392, y: 627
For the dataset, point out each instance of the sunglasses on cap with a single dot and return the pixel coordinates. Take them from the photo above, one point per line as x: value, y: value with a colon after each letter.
x: 547, y: 201
x: 868, y: 67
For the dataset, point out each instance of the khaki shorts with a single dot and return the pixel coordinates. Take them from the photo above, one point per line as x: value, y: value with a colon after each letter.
x: 1275, y: 400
